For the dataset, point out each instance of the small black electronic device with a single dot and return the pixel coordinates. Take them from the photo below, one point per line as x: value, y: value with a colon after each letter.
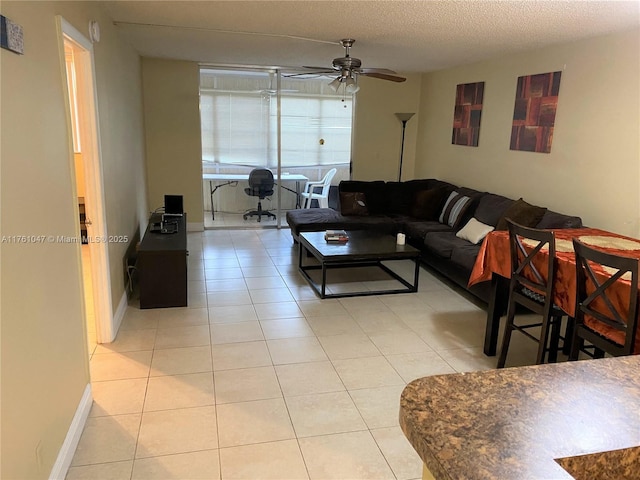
x: 173, y: 205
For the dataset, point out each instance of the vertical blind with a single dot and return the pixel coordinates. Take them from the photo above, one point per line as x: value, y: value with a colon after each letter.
x: 239, y: 120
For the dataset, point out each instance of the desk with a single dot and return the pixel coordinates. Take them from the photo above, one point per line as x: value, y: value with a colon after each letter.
x: 162, y: 266
x: 494, y: 263
x: 234, y: 178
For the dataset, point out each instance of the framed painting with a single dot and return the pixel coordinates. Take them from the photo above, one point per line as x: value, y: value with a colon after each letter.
x: 466, y: 114
x: 534, y: 112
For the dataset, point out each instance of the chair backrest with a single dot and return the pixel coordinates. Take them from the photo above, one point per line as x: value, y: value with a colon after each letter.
x: 533, y: 261
x: 326, y: 182
x: 607, y: 297
x: 261, y: 182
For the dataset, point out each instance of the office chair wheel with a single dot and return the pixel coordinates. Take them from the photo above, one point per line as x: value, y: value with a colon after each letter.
x: 244, y: 217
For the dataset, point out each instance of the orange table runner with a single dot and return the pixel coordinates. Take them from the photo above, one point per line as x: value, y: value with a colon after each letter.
x: 494, y: 257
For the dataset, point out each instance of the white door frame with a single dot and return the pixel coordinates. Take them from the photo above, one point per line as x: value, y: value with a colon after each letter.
x: 91, y: 152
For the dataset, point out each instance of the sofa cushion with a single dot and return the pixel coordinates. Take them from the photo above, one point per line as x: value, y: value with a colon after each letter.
x: 374, y: 223
x: 397, y: 198
x: 465, y: 255
x: 312, y: 219
x: 474, y: 231
x: 558, y: 220
x: 522, y: 213
x: 427, y: 204
x: 417, y: 230
x: 425, y: 184
x: 353, y: 203
x: 454, y: 209
x: 470, y: 192
x: 374, y: 191
x: 443, y: 243
x: 491, y: 207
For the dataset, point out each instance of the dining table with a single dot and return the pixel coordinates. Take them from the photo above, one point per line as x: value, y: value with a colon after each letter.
x: 493, y: 264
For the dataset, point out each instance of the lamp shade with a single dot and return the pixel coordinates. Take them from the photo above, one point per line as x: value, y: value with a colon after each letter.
x: 404, y: 117
x: 352, y: 86
x: 335, y: 84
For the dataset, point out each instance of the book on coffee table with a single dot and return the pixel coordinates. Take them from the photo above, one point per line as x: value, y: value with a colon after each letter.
x: 336, y: 236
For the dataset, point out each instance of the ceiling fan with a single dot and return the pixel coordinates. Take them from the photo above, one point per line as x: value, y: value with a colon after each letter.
x: 349, y: 68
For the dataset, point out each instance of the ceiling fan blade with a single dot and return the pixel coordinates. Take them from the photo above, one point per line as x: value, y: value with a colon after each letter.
x: 367, y: 71
x: 321, y: 69
x: 305, y: 74
x: 384, y: 76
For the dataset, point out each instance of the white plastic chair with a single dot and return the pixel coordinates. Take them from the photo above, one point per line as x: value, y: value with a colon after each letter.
x: 310, y: 191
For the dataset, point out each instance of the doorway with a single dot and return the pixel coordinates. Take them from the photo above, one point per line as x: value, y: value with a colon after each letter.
x: 88, y: 186
x: 70, y: 52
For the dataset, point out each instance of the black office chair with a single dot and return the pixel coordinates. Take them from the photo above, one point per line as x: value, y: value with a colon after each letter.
x: 606, y: 303
x: 260, y: 185
x: 531, y: 285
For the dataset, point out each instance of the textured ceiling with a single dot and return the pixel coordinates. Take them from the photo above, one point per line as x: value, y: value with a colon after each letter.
x: 406, y: 36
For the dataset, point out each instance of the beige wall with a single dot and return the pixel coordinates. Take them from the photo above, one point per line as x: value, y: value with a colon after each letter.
x: 44, y: 365
x: 593, y: 169
x: 377, y: 131
x: 172, y: 133
x: 118, y: 79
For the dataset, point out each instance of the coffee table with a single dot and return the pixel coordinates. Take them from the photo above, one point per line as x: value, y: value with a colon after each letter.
x: 364, y: 249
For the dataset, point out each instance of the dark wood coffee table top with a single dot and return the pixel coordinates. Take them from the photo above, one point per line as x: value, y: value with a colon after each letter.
x: 361, y: 245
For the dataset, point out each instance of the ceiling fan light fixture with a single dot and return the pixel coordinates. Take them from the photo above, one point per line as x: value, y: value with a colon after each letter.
x: 351, y: 85
x: 350, y: 67
x: 335, y: 84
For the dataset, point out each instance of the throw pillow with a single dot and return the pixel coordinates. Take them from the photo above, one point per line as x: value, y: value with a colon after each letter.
x: 523, y: 213
x: 474, y: 231
x: 428, y: 203
x: 353, y: 203
x: 454, y: 208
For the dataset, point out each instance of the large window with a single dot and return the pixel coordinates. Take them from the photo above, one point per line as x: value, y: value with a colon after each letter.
x: 239, y: 120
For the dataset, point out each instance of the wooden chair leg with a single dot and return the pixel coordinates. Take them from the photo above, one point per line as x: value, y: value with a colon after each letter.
x: 554, y: 342
x: 508, y: 329
x: 544, y: 339
x: 576, y: 345
x: 568, y: 335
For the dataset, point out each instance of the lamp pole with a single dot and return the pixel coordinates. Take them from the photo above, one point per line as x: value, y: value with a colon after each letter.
x: 404, y: 118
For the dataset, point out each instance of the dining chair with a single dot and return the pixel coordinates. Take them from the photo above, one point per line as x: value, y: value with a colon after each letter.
x: 261, y: 184
x: 310, y: 191
x: 606, y: 303
x: 533, y: 270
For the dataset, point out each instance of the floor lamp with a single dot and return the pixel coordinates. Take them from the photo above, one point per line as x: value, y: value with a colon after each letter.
x: 404, y: 118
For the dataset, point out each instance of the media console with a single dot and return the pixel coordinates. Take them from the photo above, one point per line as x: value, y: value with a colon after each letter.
x: 162, y: 265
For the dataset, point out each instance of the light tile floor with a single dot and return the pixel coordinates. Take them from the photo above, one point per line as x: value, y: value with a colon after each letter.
x: 258, y: 378
x: 236, y: 220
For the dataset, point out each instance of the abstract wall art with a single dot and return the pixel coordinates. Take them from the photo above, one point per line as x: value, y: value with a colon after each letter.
x: 534, y: 113
x: 466, y: 114
x: 11, y: 36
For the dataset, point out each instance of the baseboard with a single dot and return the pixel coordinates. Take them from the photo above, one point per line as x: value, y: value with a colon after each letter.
x: 118, y: 315
x: 68, y: 449
x: 195, y: 227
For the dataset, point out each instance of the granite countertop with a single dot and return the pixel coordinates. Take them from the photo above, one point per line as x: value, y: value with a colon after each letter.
x: 523, y: 423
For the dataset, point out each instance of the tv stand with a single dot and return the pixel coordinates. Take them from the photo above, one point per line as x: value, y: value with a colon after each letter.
x: 162, y: 265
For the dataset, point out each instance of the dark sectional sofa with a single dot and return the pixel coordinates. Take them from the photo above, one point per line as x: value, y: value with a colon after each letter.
x: 415, y: 208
